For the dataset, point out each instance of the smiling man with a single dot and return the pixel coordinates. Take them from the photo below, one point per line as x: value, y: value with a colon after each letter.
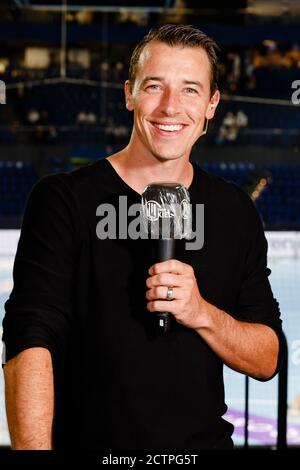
x: 173, y: 92
x: 83, y: 369
x: 170, y: 92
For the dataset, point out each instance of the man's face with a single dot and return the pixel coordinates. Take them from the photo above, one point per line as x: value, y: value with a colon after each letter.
x: 170, y: 99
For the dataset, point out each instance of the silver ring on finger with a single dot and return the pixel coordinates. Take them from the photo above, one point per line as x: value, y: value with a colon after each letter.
x: 169, y: 295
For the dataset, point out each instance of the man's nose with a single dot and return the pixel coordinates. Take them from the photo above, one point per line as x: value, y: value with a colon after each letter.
x: 170, y: 103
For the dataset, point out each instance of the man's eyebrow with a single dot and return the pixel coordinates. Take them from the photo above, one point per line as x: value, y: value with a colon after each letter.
x: 160, y: 79
x: 194, y: 82
x: 148, y: 79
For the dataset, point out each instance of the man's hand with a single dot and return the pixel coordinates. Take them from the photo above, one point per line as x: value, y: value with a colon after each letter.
x: 250, y: 348
x: 187, y: 303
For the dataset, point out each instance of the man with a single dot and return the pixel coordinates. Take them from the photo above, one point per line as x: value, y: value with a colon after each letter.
x: 83, y: 368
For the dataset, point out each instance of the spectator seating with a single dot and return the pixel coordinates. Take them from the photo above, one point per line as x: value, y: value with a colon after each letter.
x: 279, y: 202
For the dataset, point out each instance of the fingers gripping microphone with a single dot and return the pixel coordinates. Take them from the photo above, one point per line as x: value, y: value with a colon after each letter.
x: 166, y: 213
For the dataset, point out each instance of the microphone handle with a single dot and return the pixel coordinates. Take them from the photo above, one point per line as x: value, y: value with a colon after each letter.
x: 166, y: 250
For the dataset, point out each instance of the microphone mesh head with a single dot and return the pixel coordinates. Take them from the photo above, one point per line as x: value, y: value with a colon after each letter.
x: 166, y: 211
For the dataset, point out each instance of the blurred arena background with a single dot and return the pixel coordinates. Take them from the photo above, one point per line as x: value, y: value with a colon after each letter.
x: 62, y: 69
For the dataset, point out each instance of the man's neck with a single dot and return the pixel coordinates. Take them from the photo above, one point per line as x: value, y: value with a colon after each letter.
x: 137, y: 171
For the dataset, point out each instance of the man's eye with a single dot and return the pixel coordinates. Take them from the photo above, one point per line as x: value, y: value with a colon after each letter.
x: 153, y: 87
x: 191, y: 91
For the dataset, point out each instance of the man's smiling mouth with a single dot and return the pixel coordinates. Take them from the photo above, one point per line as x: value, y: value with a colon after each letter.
x: 166, y: 129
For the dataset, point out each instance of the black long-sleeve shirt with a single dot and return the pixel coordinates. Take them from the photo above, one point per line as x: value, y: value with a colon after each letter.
x: 118, y: 385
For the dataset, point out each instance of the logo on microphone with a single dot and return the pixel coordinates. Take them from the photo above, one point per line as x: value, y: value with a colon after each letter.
x: 185, y: 209
x: 155, y: 211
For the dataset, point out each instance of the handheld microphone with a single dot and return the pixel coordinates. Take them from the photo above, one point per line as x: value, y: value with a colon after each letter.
x: 167, y: 216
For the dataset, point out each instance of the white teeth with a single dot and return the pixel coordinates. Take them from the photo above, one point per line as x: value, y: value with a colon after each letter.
x: 173, y: 127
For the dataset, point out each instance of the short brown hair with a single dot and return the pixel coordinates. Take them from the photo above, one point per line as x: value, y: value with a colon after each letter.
x: 179, y: 35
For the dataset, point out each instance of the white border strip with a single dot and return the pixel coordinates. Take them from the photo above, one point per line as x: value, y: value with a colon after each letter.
x: 9, y: 241
x: 281, y: 244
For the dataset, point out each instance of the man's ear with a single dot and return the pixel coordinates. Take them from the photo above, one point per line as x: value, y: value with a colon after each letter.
x: 128, y: 96
x: 212, y: 105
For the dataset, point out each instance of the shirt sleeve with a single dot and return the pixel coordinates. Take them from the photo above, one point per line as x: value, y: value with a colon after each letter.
x: 38, y: 312
x: 256, y: 302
